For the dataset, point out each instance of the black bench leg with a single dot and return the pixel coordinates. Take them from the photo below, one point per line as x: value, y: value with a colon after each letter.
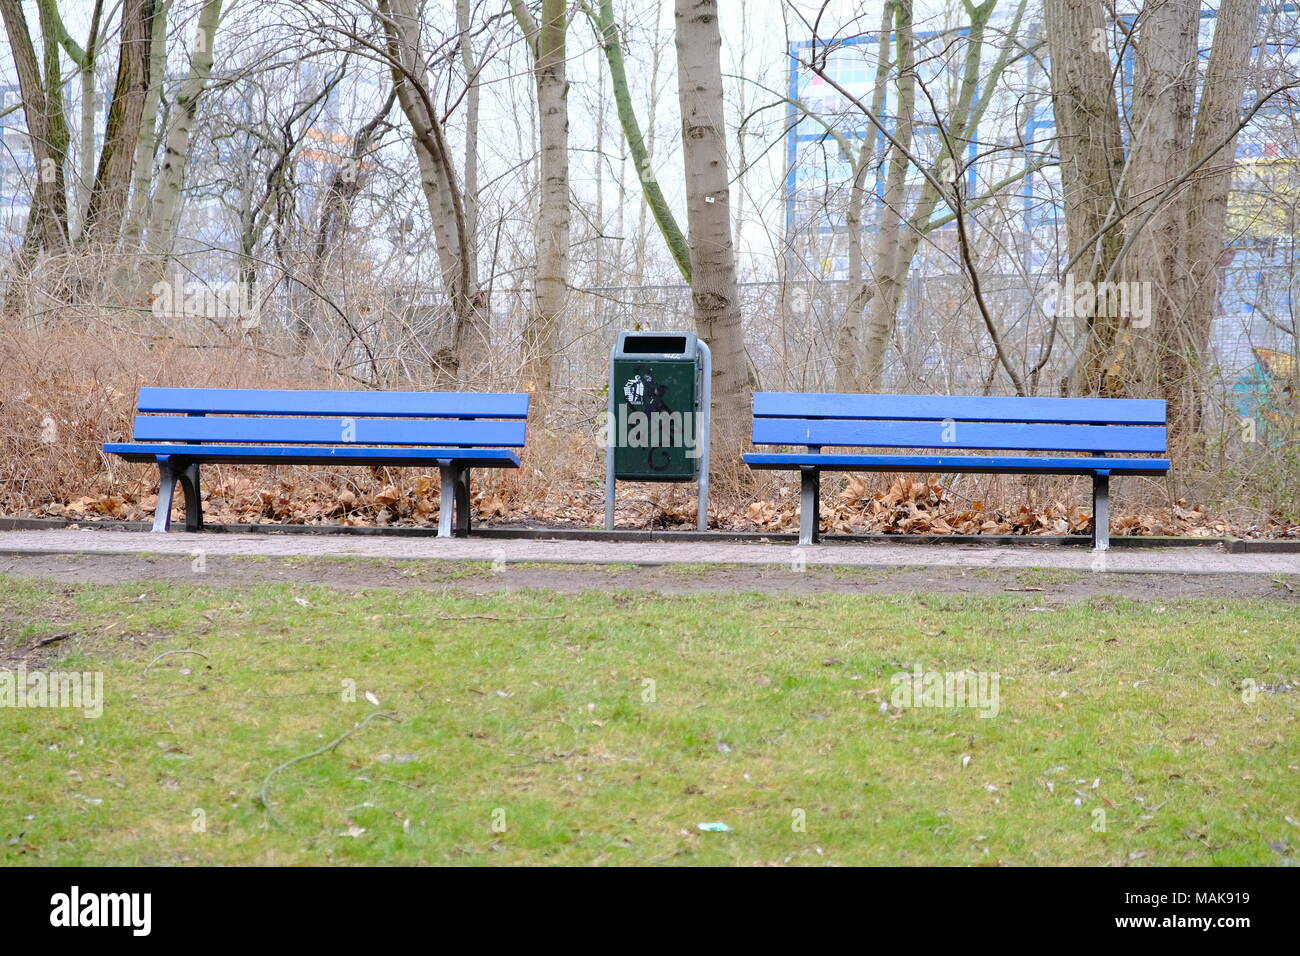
x: 810, y: 509
x: 189, y: 479
x: 461, y: 523
x: 1101, y: 512
x: 162, y: 515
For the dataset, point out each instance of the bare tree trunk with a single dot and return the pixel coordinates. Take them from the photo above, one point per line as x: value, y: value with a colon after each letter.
x: 471, y: 67
x: 1172, y: 192
x: 893, y: 254
x: 108, y: 197
x: 1092, y: 169
x: 336, y: 207
x: 652, y: 111
x: 438, y: 180
x: 56, y: 124
x: 541, y: 338
x: 1164, y: 95
x: 54, y: 31
x: 47, y: 221
x: 849, y: 353
x: 896, y: 246
x: 708, y: 211
x: 165, y: 210
x: 607, y: 29
x: 1207, y: 198
x: 147, y: 142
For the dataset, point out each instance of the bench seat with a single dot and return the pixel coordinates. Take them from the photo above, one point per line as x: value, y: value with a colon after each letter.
x: 294, y: 455
x: 181, y: 429
x: 1100, y: 437
x: 974, y: 464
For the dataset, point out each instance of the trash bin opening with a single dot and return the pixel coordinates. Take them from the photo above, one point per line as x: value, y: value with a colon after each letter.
x: 654, y: 345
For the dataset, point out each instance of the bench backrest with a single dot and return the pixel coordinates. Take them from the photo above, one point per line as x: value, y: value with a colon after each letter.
x: 315, y: 417
x: 1094, y: 425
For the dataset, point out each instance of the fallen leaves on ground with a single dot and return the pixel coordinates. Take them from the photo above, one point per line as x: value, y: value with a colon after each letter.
x: 905, y: 504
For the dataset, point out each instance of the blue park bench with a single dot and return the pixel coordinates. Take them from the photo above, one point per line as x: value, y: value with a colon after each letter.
x: 1093, y: 428
x: 183, y: 428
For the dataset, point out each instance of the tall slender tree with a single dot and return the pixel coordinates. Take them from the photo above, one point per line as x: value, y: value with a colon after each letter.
x: 639, y: 145
x: 541, y: 339
x: 165, y: 207
x: 714, y: 292
x: 1165, y: 222
x: 107, y: 205
x: 47, y: 224
x: 401, y: 24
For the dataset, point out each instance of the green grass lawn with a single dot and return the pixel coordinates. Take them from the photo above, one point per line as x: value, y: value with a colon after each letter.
x: 537, y: 727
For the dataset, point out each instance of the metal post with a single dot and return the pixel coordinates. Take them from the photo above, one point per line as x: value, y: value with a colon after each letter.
x: 610, y: 437
x: 1101, y: 512
x: 447, y: 507
x: 809, y: 505
x: 162, y: 514
x: 189, y: 481
x: 704, y: 434
x: 460, y: 524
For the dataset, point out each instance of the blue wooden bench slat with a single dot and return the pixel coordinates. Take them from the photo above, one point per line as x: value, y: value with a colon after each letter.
x: 938, y: 434
x: 973, y: 408
x: 300, y: 455
x: 336, y: 404
x: 1097, y: 426
x: 319, y: 431
x: 190, y: 427
x: 986, y: 464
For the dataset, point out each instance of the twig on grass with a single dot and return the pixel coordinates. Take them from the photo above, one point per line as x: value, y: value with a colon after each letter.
x: 168, y: 653
x: 50, y: 640
x: 508, y: 620
x: 262, y: 794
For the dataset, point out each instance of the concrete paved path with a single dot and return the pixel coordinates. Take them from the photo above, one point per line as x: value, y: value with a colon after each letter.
x: 1183, y: 560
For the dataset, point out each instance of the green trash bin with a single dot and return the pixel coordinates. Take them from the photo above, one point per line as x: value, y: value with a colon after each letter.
x: 658, y: 427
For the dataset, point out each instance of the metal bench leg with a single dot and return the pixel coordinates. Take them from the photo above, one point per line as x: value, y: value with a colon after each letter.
x: 447, y: 479
x: 162, y: 515
x: 809, y: 506
x: 189, y: 479
x: 1101, y: 512
x: 461, y: 525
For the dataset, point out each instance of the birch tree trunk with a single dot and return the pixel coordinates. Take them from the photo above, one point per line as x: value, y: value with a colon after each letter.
x: 714, y: 292
x: 850, y: 350
x: 86, y: 133
x: 165, y: 208
x: 541, y: 338
x: 893, y: 253
x: 471, y: 68
x: 147, y: 142
x: 896, y: 246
